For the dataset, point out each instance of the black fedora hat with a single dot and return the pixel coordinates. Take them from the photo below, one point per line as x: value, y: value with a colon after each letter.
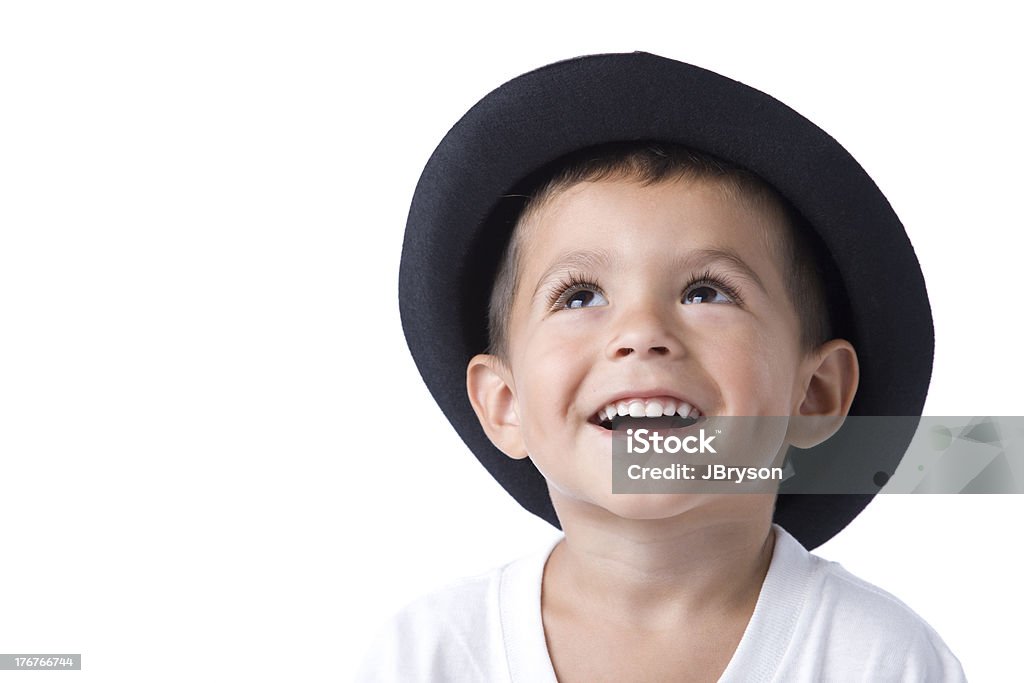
x: 459, y: 224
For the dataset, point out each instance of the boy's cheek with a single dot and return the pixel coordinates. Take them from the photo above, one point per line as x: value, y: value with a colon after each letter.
x: 750, y: 385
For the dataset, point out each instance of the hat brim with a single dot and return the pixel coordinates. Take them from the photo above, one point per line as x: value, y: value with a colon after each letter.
x: 452, y: 244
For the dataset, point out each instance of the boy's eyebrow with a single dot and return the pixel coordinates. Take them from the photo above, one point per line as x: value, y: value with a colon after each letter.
x: 699, y: 257
x: 580, y: 259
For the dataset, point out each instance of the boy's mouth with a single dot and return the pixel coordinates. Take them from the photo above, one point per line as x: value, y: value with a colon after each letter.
x: 662, y: 412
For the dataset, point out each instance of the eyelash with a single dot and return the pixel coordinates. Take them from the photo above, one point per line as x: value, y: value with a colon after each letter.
x: 575, y: 282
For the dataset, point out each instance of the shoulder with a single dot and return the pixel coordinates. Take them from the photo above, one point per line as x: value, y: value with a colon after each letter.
x: 853, y: 623
x: 443, y: 635
x: 452, y: 633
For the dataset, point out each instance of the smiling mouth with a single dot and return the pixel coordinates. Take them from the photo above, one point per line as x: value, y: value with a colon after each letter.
x: 656, y: 413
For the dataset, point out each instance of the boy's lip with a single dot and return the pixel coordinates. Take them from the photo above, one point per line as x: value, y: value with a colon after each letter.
x: 658, y: 392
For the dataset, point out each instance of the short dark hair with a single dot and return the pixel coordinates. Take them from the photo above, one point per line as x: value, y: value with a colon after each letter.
x: 802, y: 253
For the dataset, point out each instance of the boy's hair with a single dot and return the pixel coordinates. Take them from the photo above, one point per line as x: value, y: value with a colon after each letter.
x: 799, y: 249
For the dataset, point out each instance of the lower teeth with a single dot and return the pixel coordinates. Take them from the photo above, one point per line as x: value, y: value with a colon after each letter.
x: 665, y: 422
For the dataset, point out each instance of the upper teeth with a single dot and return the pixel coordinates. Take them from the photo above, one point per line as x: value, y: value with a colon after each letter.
x: 646, y: 407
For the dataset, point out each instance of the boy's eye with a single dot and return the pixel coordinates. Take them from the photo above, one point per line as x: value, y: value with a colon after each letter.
x: 584, y: 298
x: 576, y: 291
x: 705, y: 294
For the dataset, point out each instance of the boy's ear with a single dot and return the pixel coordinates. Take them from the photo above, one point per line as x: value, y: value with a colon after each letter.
x: 831, y: 374
x: 491, y: 392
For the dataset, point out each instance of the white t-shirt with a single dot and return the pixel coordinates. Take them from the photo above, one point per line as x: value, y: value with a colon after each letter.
x: 814, y: 621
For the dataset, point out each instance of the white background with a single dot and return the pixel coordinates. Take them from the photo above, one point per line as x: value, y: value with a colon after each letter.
x: 217, y: 460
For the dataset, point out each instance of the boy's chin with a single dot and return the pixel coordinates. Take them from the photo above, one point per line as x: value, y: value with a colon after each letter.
x: 634, y: 506
x: 654, y: 507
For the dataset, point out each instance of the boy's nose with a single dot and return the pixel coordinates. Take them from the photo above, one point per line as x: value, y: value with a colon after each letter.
x: 643, y: 334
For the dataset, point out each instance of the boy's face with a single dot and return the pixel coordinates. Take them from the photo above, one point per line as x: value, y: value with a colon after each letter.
x: 671, y: 290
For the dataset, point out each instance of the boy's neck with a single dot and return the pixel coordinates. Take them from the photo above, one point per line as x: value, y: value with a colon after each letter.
x: 659, y: 574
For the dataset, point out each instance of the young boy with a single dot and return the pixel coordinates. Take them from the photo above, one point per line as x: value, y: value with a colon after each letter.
x: 574, y: 252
